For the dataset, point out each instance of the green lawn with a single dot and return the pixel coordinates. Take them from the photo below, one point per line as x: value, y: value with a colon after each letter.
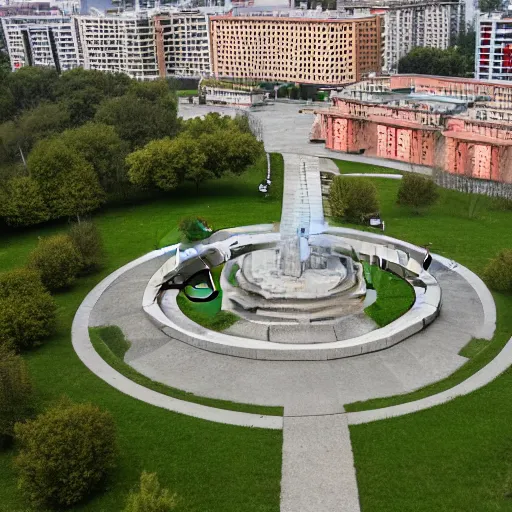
x: 212, y: 467
x: 187, y: 92
x: 395, y: 296
x: 456, y: 457
x: 355, y: 167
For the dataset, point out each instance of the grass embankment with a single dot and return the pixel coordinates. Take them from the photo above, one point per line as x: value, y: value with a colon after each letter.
x: 212, y: 467
x: 395, y: 296
x: 187, y: 92
x: 111, y: 345
x: 346, y: 167
x: 454, y: 457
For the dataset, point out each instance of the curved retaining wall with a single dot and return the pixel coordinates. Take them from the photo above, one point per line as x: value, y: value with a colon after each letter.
x: 422, y: 313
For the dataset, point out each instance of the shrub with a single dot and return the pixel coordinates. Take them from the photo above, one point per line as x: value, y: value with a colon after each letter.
x: 498, y: 273
x: 87, y: 240
x: 194, y: 228
x: 27, y: 310
x: 65, y: 453
x: 23, y: 204
x: 57, y: 260
x: 15, y: 393
x: 417, y: 192
x: 353, y: 199
x: 151, y: 497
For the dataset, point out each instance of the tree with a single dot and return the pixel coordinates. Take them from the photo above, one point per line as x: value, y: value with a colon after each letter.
x: 417, y: 192
x: 434, y: 61
x: 87, y: 240
x: 31, y: 85
x: 243, y: 150
x: 81, y: 91
x: 22, y: 204
x: 7, y: 105
x: 100, y: 146
x: 490, y: 5
x: 498, y: 272
x: 150, y: 497
x: 65, y: 453
x: 353, y: 199
x: 15, y: 393
x: 68, y: 183
x: 27, y: 310
x: 168, y: 162
x: 57, y: 260
x: 137, y: 119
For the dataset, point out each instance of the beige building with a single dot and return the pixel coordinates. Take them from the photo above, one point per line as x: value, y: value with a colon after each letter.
x: 301, y: 50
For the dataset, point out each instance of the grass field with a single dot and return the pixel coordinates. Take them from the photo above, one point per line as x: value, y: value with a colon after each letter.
x: 456, y: 457
x: 212, y: 467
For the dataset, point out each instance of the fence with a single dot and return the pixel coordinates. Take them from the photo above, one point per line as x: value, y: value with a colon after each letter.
x: 473, y: 185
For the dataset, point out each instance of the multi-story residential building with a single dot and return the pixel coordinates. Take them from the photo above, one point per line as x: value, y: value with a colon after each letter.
x: 182, y: 44
x: 411, y: 23
x: 302, y: 50
x: 494, y: 47
x: 124, y: 44
x: 41, y: 41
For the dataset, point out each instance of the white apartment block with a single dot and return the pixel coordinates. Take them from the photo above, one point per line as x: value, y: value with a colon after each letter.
x: 123, y: 44
x: 493, y: 60
x: 183, y: 44
x: 411, y: 24
x: 41, y: 41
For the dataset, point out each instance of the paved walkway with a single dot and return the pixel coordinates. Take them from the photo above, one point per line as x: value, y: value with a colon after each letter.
x: 318, y: 472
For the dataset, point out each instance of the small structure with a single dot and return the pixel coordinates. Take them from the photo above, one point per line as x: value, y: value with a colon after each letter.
x: 224, y: 92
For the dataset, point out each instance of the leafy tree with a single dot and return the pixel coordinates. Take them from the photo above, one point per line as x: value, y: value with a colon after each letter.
x: 490, y: 5
x: 7, y: 105
x: 353, y: 199
x: 100, y: 146
x: 434, y: 61
x: 65, y: 454
x: 22, y: 203
x: 168, y: 162
x: 15, y: 393
x: 155, y: 158
x: 27, y: 310
x: 150, y: 497
x: 498, y: 272
x: 57, y: 260
x: 138, y: 119
x: 81, y: 91
x: 68, y: 183
x: 417, y: 192
x: 87, y: 240
x: 31, y: 85
x: 243, y: 150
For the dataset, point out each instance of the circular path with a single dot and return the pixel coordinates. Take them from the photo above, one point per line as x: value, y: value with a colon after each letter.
x: 304, y: 388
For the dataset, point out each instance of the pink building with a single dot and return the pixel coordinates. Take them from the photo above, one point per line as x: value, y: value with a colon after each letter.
x: 461, y: 126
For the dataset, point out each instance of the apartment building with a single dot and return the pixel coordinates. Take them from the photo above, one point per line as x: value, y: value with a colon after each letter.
x: 182, y: 44
x: 41, y: 41
x: 123, y: 44
x: 494, y: 47
x: 302, y: 50
x: 409, y: 24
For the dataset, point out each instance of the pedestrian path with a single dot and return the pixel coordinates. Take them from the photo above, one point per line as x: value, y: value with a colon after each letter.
x: 302, y: 197
x: 318, y: 472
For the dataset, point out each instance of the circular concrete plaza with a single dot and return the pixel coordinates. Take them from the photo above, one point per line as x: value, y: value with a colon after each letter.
x: 301, y: 387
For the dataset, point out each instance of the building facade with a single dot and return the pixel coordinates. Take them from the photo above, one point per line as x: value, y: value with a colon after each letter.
x: 461, y: 126
x: 123, y: 44
x: 494, y: 47
x: 183, y: 44
x: 41, y: 41
x: 300, y: 50
x: 411, y: 24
